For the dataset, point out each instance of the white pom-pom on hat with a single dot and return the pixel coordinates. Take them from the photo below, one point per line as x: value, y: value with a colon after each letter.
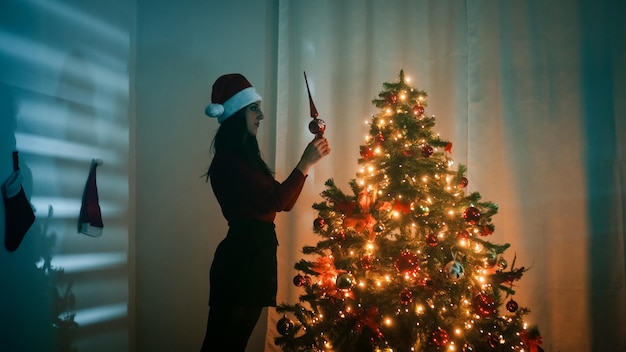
x: 231, y: 92
x: 214, y: 110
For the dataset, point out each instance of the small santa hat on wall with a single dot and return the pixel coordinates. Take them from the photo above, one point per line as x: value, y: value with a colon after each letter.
x: 90, y: 218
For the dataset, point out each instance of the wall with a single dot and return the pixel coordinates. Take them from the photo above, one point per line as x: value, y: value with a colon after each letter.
x: 64, y: 95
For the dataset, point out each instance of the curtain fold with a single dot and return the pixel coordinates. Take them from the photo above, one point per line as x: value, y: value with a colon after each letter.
x: 531, y: 94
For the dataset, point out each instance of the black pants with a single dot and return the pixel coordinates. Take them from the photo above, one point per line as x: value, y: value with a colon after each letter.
x: 229, y: 328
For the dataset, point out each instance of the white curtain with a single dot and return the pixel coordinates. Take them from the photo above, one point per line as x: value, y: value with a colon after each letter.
x: 533, y: 96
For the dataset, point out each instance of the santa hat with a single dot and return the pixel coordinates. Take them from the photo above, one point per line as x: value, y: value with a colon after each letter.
x: 231, y: 93
x: 90, y: 217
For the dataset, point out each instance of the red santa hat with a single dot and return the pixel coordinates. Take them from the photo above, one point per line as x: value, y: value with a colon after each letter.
x: 231, y: 93
x: 90, y: 217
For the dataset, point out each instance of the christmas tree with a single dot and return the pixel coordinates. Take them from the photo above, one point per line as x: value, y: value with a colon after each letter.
x: 404, y: 262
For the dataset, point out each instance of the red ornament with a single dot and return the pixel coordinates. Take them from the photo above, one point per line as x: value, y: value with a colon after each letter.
x: 427, y: 151
x: 317, y: 126
x: 392, y: 98
x: 407, y: 263
x: 512, y: 306
x: 284, y: 326
x: 340, y: 235
x: 439, y: 337
x: 380, y: 138
x: 493, y: 341
x: 463, y: 182
x: 367, y: 153
x: 319, y: 223
x: 448, y: 147
x: 406, y: 296
x: 418, y: 110
x: 484, y: 305
x: 298, y: 280
x: 431, y: 240
x: 366, y: 262
x: 471, y: 215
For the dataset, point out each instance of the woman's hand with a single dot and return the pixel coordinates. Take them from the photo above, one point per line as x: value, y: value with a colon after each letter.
x: 314, y: 151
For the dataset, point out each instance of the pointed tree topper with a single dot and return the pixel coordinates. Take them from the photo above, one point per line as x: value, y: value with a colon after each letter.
x: 314, y: 112
x: 317, y: 126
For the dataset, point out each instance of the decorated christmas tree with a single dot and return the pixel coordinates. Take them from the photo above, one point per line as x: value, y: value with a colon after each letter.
x: 404, y: 261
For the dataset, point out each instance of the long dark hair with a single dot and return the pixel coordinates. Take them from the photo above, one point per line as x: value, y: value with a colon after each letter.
x: 233, y: 136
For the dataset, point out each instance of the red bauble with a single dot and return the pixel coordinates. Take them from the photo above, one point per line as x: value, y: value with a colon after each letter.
x: 418, y: 109
x: 431, y: 240
x: 512, y: 306
x: 406, y: 296
x: 367, y: 153
x: 366, y: 262
x: 407, y: 263
x: 319, y: 223
x: 392, y: 98
x: 427, y: 151
x: 380, y: 138
x: 471, y: 215
x: 463, y: 182
x: 284, y: 326
x: 494, y: 341
x: 317, y: 126
x: 298, y: 280
x: 484, y: 305
x: 340, y: 235
x: 439, y: 337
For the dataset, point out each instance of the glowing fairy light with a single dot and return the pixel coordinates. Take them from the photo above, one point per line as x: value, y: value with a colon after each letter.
x: 403, y: 96
x: 388, y: 321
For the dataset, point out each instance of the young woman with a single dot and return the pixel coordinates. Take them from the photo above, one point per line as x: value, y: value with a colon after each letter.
x: 243, y: 272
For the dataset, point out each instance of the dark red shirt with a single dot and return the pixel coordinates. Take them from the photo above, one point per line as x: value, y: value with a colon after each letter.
x: 245, y: 192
